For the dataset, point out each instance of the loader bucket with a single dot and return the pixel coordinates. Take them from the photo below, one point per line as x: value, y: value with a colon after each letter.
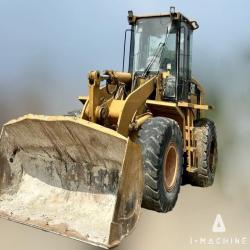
x: 71, y: 177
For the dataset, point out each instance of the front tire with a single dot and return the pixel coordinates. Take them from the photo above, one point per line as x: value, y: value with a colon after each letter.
x: 162, y: 150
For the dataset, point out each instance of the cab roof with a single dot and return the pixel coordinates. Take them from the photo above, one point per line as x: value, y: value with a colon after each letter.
x: 174, y: 15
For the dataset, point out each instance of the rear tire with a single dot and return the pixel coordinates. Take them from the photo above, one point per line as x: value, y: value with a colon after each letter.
x: 205, y: 135
x: 162, y: 150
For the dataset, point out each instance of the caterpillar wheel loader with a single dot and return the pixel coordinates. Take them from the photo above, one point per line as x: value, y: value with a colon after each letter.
x: 139, y: 136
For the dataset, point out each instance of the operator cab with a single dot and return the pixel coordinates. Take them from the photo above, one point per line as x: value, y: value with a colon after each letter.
x: 163, y: 44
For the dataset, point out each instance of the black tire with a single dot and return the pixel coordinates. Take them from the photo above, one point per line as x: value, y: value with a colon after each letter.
x: 161, y: 142
x: 206, y: 153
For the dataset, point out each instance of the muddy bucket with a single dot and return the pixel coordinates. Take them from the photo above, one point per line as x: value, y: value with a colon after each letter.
x: 71, y: 177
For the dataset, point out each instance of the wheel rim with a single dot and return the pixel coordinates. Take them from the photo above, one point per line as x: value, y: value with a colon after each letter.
x: 170, y: 167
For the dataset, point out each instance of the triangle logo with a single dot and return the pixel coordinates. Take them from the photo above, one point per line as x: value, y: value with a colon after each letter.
x: 218, y: 226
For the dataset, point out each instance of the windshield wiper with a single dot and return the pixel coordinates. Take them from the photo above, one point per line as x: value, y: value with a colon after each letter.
x: 158, y: 52
x: 156, y: 55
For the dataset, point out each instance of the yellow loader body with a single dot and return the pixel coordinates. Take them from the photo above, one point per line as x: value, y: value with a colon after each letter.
x: 87, y: 176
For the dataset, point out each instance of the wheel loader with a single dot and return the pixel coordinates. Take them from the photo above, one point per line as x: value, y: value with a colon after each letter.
x: 140, y: 135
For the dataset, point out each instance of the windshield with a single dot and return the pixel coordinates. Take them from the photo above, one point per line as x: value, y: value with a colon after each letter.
x: 150, y: 36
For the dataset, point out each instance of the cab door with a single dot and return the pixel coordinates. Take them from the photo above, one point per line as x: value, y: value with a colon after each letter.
x: 184, y: 62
